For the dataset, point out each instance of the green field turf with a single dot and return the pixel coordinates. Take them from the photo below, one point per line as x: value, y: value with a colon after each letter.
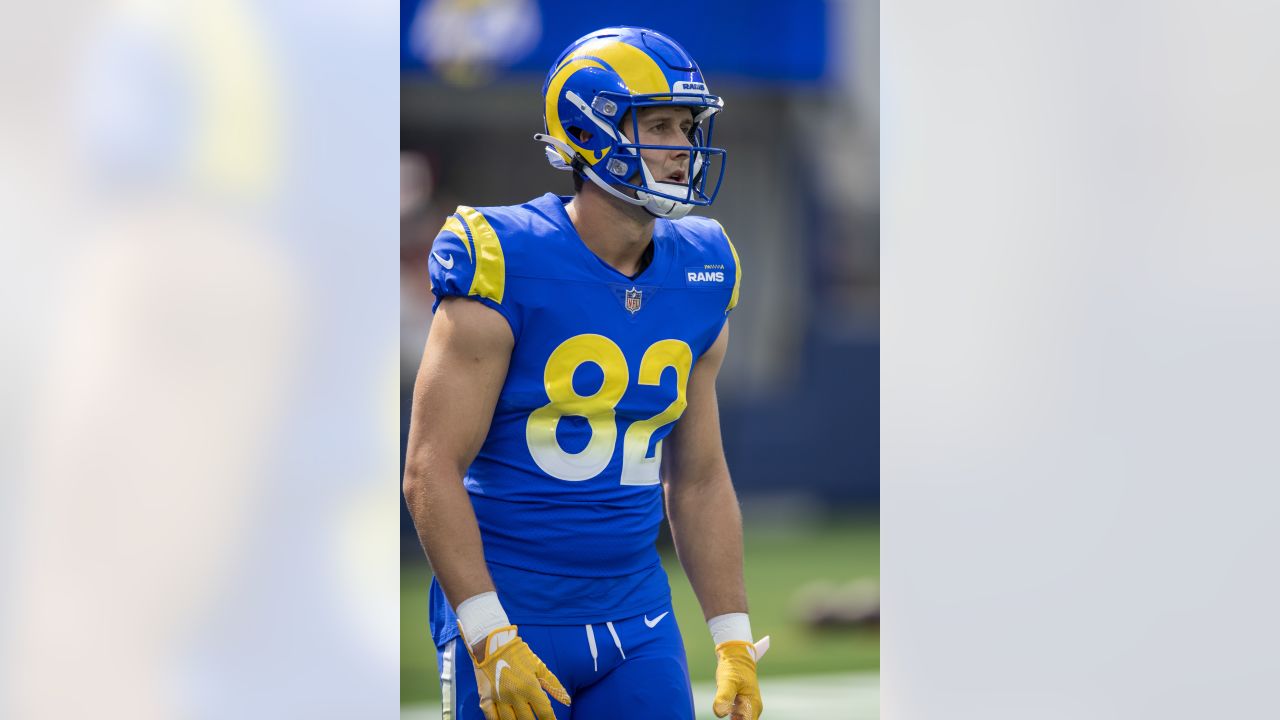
x: 779, y: 561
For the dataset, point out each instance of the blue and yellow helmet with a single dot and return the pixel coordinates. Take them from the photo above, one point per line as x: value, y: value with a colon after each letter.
x: 593, y: 85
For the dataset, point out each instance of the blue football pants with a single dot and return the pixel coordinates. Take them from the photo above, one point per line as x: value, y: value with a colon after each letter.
x: 629, y: 668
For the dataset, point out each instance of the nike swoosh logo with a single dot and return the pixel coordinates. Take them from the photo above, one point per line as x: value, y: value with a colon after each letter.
x: 446, y: 261
x: 656, y: 620
x: 497, y: 675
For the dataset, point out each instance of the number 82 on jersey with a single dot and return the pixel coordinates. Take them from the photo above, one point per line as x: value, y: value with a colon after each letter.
x: 599, y: 409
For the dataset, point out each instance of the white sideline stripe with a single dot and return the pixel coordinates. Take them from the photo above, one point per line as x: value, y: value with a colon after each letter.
x: 591, y: 642
x: 848, y: 696
x: 616, y: 641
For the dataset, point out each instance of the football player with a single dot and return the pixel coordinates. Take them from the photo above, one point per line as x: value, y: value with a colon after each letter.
x: 567, y: 391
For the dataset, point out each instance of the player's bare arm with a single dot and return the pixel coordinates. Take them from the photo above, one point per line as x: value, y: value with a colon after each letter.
x: 463, y: 368
x: 706, y: 525
x: 701, y: 504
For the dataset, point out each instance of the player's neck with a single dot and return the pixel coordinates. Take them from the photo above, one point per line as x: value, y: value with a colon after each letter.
x: 618, y: 233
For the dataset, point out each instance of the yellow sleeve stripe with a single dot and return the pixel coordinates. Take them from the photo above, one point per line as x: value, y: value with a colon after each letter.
x: 491, y: 271
x: 737, y: 270
x: 454, y: 225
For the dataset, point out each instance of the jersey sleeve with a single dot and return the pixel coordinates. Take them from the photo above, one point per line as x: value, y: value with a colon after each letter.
x: 467, y: 261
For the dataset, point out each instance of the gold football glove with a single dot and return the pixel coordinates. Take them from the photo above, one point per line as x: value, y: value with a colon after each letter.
x: 737, y: 688
x: 512, y: 681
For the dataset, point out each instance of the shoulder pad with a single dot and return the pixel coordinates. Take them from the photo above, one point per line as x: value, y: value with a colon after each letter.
x: 710, y: 240
x: 737, y: 268
x: 466, y: 258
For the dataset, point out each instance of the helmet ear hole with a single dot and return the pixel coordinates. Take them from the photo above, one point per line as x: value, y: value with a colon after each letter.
x: 577, y: 133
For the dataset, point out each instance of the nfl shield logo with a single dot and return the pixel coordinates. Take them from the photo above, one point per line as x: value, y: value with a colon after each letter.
x: 633, y: 301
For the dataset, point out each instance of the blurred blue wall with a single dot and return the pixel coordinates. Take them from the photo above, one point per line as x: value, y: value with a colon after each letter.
x: 764, y: 40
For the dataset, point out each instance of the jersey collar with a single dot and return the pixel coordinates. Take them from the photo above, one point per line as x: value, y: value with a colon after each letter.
x: 553, y: 207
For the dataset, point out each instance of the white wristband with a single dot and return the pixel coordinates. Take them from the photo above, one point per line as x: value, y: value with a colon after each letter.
x: 480, y: 615
x: 731, y: 626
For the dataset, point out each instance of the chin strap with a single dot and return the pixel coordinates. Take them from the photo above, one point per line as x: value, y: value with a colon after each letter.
x: 657, y: 206
x: 560, y: 164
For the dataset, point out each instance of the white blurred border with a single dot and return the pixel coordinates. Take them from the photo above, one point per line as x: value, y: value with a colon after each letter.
x: 198, y: 248
x: 1080, y: 343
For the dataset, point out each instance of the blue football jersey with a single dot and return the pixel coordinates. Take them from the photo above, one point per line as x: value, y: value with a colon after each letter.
x: 566, y: 487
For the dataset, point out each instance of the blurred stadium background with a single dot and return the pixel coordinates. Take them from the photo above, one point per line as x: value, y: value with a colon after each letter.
x: 799, y: 392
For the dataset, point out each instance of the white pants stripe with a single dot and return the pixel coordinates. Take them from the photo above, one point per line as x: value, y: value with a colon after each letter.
x: 591, y: 643
x: 616, y: 641
x: 448, y: 681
